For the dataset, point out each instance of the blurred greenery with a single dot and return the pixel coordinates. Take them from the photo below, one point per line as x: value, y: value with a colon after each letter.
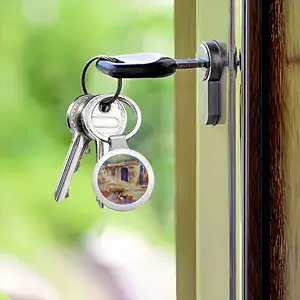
x: 44, y: 45
x: 3, y: 297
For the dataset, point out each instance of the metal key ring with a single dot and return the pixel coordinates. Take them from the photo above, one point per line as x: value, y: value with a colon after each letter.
x: 108, y: 102
x: 88, y: 111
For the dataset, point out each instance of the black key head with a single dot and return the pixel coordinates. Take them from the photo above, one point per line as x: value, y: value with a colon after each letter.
x: 140, y: 65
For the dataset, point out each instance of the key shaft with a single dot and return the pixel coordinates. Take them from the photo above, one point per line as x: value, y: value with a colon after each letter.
x: 79, y: 145
x: 76, y: 150
x: 190, y: 63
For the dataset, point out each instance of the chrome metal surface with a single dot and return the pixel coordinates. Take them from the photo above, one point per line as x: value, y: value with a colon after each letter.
x: 118, y: 142
x: 78, y: 147
x: 202, y: 51
x: 212, y: 92
x: 189, y: 63
x: 91, y: 112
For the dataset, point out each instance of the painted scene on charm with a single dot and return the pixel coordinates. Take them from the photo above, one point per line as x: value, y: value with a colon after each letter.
x: 123, y: 179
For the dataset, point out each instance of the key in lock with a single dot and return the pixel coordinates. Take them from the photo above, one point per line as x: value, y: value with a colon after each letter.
x: 210, y: 62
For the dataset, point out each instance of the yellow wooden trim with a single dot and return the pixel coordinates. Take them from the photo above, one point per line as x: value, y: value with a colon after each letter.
x: 185, y: 151
x: 213, y: 169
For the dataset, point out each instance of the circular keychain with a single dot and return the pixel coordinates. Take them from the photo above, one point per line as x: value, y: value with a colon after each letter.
x: 123, y: 179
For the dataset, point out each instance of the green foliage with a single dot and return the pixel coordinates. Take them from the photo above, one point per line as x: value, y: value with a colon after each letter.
x: 44, y: 46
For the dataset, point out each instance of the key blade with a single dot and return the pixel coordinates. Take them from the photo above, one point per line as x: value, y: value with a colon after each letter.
x: 78, y: 146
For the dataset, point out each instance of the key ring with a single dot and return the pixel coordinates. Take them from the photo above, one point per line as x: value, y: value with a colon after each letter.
x: 107, y: 102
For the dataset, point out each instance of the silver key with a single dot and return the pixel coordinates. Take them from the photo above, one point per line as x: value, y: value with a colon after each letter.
x: 79, y: 145
x: 109, y: 123
x: 68, y: 118
x: 94, y: 121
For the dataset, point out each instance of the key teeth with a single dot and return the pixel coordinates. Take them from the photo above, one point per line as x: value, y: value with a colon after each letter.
x: 57, y: 199
x: 56, y: 196
x: 77, y: 167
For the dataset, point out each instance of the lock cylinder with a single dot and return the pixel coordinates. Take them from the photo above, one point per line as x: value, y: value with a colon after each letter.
x: 210, y: 78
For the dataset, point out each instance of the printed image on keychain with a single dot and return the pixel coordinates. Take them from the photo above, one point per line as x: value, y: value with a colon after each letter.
x: 123, y: 179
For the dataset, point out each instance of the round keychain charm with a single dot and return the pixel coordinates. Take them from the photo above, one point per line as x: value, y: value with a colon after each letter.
x: 123, y: 179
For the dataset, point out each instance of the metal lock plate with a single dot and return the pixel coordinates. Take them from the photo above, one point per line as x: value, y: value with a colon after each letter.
x: 211, y: 93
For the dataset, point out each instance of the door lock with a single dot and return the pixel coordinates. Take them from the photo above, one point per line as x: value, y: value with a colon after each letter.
x: 210, y: 99
x: 209, y: 61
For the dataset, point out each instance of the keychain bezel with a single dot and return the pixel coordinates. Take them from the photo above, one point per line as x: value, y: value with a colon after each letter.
x: 137, y: 203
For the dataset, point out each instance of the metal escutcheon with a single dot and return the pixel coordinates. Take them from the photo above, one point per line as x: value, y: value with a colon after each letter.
x: 211, y: 95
